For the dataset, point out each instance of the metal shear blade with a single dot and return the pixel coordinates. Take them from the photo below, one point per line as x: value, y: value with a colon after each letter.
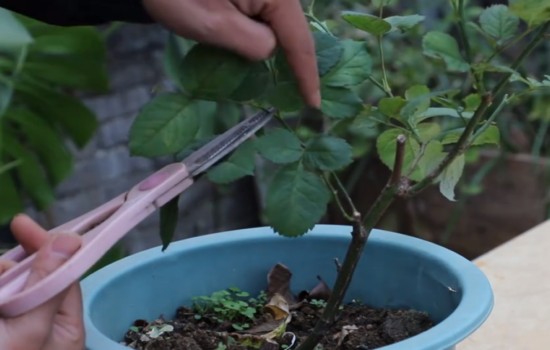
x: 104, y: 226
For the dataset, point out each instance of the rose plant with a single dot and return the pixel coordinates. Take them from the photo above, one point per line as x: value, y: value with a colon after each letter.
x: 422, y: 130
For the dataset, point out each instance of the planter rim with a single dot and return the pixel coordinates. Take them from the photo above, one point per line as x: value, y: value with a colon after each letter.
x: 473, y: 309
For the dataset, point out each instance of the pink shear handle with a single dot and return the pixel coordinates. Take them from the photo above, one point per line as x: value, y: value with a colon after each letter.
x: 117, y: 217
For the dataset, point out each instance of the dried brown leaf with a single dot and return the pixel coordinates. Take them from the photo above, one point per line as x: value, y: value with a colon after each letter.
x: 346, y: 330
x: 321, y: 291
x: 278, y: 282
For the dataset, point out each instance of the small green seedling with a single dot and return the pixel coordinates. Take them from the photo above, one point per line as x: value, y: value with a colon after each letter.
x: 221, y: 346
x: 229, y: 305
x: 321, y: 304
x: 158, y: 330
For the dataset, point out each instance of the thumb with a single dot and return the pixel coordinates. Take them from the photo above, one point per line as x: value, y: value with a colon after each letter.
x: 48, y: 258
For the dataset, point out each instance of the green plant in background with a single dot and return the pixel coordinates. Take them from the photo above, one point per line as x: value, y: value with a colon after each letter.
x: 40, y: 118
x: 422, y: 128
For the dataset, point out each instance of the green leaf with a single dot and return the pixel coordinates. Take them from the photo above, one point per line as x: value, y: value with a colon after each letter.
x: 428, y: 131
x: 387, y: 147
x: 14, y: 35
x: 353, y: 68
x: 227, y: 115
x: 450, y: 177
x: 416, y: 91
x: 174, y: 52
x: 239, y: 164
x: 366, y: 22
x: 6, y: 93
x: 11, y: 203
x: 364, y: 126
x: 340, y: 102
x: 215, y: 73
x: 418, y: 101
x: 29, y: 173
x: 254, y: 84
x: 328, y: 50
x: 168, y: 221
x: 403, y: 23
x: 534, y: 12
x: 285, y: 96
x: 327, y: 153
x: 391, y: 106
x: 296, y: 200
x: 432, y: 155
x: 167, y: 124
x: 381, y: 3
x: 491, y: 135
x: 442, y: 112
x: 66, y: 111
x: 7, y: 167
x: 441, y: 45
x: 280, y: 146
x: 499, y: 23
x: 45, y: 142
x: 471, y: 102
x: 72, y: 57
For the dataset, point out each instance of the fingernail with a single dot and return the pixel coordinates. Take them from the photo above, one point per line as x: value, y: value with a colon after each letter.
x: 318, y: 99
x: 66, y: 245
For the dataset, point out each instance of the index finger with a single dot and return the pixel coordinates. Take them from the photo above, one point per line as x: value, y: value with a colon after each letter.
x: 290, y: 26
x: 29, y: 234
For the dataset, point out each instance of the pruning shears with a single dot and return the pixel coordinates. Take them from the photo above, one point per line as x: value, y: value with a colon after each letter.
x: 102, y: 227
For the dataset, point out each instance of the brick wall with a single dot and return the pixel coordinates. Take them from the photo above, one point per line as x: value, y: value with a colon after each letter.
x: 105, y: 169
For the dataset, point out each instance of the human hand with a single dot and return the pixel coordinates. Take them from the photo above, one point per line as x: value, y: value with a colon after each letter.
x: 56, y: 324
x: 251, y: 28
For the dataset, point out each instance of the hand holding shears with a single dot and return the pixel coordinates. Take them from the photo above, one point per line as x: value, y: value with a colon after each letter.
x: 102, y: 227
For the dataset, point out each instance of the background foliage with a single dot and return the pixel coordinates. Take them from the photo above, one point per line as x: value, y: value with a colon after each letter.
x: 41, y: 119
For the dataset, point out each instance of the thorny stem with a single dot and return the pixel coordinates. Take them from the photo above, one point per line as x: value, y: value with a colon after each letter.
x: 479, y: 115
x: 360, y: 234
x: 398, y: 163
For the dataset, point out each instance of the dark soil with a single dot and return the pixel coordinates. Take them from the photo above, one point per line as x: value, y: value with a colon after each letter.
x: 358, y: 327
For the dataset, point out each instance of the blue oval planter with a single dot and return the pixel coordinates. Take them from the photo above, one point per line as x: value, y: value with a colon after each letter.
x: 396, y: 271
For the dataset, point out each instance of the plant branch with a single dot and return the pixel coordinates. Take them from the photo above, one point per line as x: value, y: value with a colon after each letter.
x: 462, y: 31
x: 478, y: 116
x: 379, y: 85
x: 398, y: 162
x: 385, y: 85
x: 538, y: 37
x: 501, y: 49
x: 539, y: 138
x: 344, y: 192
x: 336, y: 195
x: 489, y: 120
x: 360, y: 234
